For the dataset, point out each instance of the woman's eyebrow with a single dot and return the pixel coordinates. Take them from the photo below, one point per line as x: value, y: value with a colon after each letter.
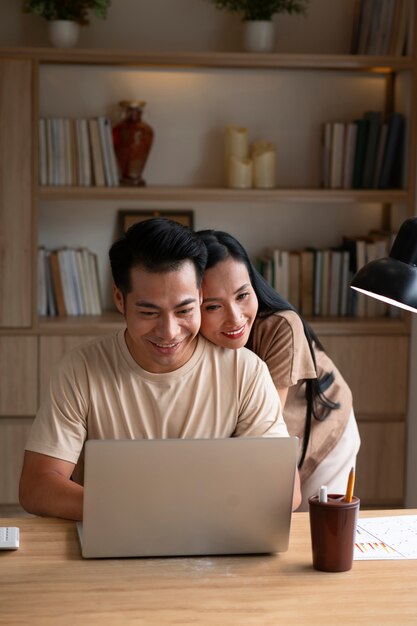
x: 245, y: 286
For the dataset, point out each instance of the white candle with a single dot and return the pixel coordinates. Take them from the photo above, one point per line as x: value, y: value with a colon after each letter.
x: 264, y: 165
x: 237, y: 143
x: 240, y: 173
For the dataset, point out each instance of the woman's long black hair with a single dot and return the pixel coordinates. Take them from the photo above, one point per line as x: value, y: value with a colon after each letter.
x: 221, y: 246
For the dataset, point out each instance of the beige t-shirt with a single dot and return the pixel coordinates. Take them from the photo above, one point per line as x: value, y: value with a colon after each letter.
x: 100, y: 392
x: 280, y: 341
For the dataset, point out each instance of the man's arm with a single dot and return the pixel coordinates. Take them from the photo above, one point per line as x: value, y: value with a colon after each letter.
x: 46, y: 489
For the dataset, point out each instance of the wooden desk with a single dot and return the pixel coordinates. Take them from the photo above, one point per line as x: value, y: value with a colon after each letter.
x: 47, y: 582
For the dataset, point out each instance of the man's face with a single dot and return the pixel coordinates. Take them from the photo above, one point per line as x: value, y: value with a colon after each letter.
x: 162, y: 313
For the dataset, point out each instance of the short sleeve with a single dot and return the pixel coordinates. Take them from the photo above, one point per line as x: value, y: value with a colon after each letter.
x: 279, y: 340
x: 59, y: 428
x: 260, y: 413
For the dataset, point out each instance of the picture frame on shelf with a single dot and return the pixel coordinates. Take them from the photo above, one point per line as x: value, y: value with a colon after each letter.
x: 129, y: 217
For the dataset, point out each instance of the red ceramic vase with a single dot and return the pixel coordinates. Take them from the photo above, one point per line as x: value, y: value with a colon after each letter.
x: 132, y: 140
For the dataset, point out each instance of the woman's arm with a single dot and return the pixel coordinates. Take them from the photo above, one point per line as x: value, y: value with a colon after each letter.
x: 283, y: 393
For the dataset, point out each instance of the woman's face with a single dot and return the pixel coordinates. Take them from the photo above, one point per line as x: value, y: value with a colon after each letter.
x: 229, y: 304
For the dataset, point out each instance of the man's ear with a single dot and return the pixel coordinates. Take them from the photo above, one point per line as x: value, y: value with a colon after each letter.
x: 118, y: 299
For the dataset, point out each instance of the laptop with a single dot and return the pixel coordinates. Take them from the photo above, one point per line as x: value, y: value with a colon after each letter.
x: 182, y: 497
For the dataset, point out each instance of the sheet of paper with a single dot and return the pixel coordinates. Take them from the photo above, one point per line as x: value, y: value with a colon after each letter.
x: 386, y: 538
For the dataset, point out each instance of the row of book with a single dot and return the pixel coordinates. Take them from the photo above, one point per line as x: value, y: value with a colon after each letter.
x: 317, y: 281
x: 382, y: 27
x: 68, y: 282
x: 77, y: 152
x: 363, y: 154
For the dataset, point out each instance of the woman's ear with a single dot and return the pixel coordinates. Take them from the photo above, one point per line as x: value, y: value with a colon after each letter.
x: 118, y: 299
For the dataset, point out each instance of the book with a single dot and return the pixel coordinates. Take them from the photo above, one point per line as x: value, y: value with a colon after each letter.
x: 382, y: 140
x: 373, y: 42
x: 105, y: 150
x: 82, y: 273
x: 85, y: 152
x: 67, y: 282
x: 360, y: 262
x: 294, y: 279
x: 42, y: 294
x: 317, y: 281
x: 360, y: 149
x: 374, y: 118
x: 365, y: 26
x: 73, y: 154
x: 355, y: 246
x: 89, y: 278
x: 76, y: 281
x: 114, y: 168
x: 49, y: 151
x: 344, y: 283
x: 334, y: 287
x: 371, y: 255
x: 336, y: 155
x: 55, y: 152
x: 356, y: 25
x: 280, y: 265
x: 96, y: 153
x: 349, y: 154
x: 392, y: 158
x: 326, y: 147
x: 42, y: 153
x: 325, y: 278
x: 60, y: 152
x: 93, y: 263
x: 399, y: 28
x: 57, y: 283
x: 386, y: 26
x: 68, y: 152
x: 306, y: 282
x: 50, y: 296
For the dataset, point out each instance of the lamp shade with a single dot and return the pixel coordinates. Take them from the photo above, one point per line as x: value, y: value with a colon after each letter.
x: 393, y: 279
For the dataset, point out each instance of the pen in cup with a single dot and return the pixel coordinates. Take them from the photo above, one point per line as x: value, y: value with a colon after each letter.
x: 350, y: 485
x: 323, y: 493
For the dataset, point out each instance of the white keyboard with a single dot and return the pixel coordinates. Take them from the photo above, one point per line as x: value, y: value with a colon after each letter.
x: 9, y: 538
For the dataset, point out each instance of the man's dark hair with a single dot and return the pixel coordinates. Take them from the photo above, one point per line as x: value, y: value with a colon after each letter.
x: 158, y: 245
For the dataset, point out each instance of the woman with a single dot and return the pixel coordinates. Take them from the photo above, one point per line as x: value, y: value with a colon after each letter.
x: 241, y: 309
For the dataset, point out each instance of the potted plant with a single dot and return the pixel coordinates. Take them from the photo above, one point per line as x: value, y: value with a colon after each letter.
x: 257, y: 16
x: 66, y: 16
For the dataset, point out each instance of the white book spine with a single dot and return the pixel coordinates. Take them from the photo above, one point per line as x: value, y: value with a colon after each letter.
x: 65, y: 280
x: 85, y: 147
x: 105, y: 150
x: 42, y: 153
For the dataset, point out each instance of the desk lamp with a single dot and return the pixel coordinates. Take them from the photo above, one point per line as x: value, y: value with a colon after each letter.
x: 393, y: 279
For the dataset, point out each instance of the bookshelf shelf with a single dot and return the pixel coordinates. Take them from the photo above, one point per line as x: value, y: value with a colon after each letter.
x: 82, y: 324
x: 219, y: 60
x: 215, y: 194
x: 110, y: 321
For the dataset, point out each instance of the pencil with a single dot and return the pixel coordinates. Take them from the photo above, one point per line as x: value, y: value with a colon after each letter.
x: 350, y: 485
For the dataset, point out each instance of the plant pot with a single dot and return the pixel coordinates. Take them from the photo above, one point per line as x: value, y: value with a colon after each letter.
x: 258, y: 36
x: 63, y: 33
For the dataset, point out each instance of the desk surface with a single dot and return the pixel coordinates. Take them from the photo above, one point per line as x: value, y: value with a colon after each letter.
x: 47, y: 582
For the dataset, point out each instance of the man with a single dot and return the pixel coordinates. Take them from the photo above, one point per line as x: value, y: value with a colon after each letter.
x: 156, y: 379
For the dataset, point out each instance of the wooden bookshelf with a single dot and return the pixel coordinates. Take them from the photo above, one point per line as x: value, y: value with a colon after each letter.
x: 371, y: 352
